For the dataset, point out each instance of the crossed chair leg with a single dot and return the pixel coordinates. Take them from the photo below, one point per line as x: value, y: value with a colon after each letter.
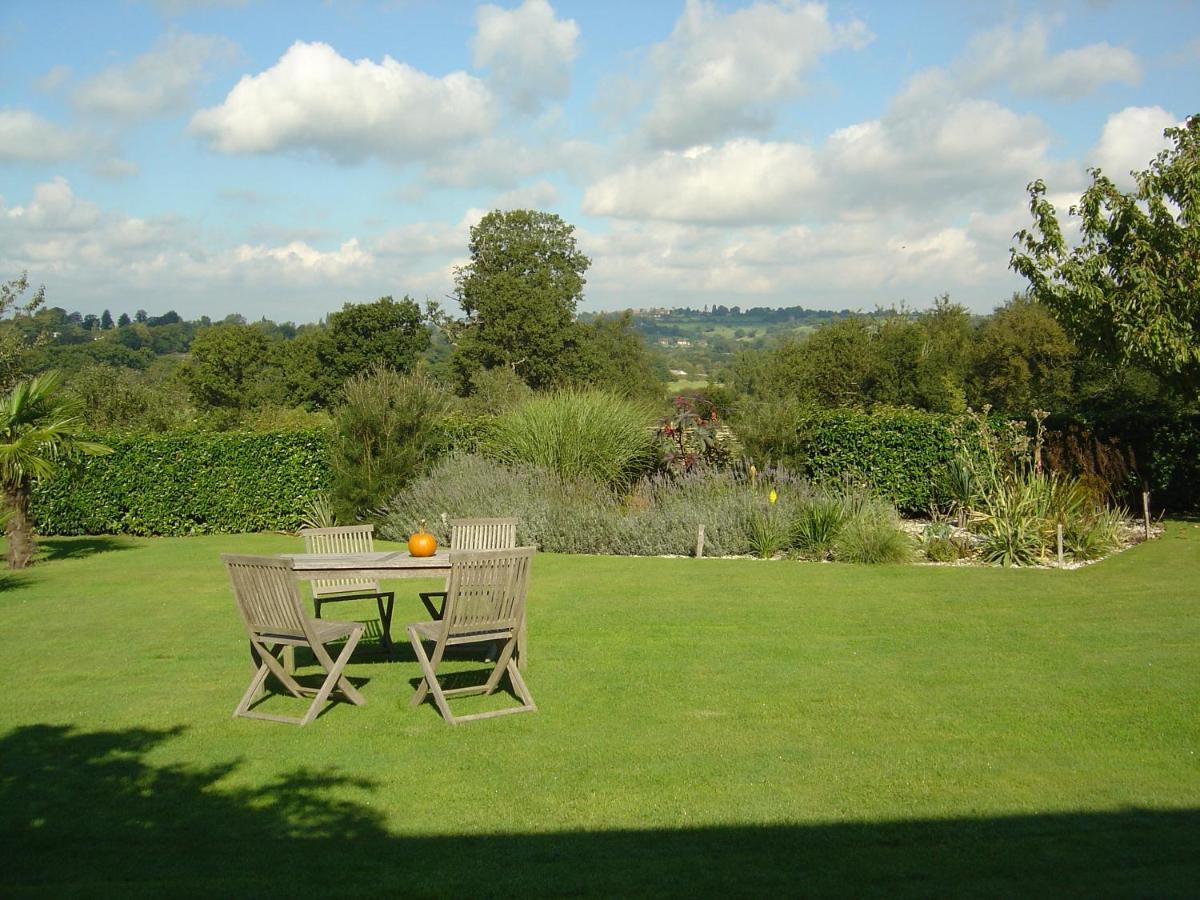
x: 271, y: 664
x: 430, y: 685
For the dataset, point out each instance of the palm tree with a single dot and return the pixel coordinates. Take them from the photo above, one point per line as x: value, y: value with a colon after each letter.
x: 39, y: 428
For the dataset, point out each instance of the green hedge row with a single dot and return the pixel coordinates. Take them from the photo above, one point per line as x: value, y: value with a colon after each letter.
x: 187, y: 483
x: 900, y: 452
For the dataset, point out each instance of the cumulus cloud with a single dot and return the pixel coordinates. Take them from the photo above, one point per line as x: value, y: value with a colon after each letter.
x: 528, y: 50
x: 315, y: 99
x: 741, y: 181
x: 540, y: 195
x: 27, y: 137
x: 160, y: 82
x: 1130, y: 139
x: 719, y: 73
x: 504, y: 162
x: 854, y: 264
x: 1022, y: 59
x: 932, y: 148
x: 90, y: 258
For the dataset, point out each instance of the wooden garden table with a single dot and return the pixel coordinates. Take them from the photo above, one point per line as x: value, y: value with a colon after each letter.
x: 380, y: 566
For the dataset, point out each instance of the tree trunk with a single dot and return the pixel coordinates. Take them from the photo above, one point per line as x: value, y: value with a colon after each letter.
x: 21, y: 543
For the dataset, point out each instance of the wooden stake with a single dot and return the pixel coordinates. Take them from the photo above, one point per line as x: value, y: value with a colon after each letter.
x: 1146, y: 512
x: 1060, y: 549
x: 700, y: 542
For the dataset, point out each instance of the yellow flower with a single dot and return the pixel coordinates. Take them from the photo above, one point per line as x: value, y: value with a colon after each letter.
x: 773, y: 496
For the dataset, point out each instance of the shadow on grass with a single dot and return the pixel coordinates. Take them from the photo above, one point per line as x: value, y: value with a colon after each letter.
x: 12, y: 580
x: 89, y: 813
x: 53, y: 549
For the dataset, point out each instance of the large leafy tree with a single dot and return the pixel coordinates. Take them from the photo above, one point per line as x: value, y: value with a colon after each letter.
x: 39, y: 428
x: 226, y: 367
x: 389, y: 332
x: 14, y: 345
x: 1130, y: 290
x: 1023, y: 361
x: 519, y: 293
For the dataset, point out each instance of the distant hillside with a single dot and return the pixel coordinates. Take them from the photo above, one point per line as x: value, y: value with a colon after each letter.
x: 699, y: 341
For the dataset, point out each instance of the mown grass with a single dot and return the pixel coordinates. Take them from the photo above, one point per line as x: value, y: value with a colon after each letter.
x: 706, y: 726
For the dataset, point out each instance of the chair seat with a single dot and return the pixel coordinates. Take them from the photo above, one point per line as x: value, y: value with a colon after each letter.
x: 431, y: 631
x: 325, y: 629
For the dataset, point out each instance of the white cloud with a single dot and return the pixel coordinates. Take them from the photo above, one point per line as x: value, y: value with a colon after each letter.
x: 528, y: 50
x: 299, y: 257
x: 719, y: 73
x: 741, y: 181
x: 116, y: 168
x: 55, y: 78
x: 27, y: 137
x: 160, y: 82
x: 857, y: 264
x: 505, y: 162
x: 540, y: 195
x: 933, y: 149
x: 91, y: 258
x: 315, y: 99
x: 1130, y: 139
x: 1023, y: 60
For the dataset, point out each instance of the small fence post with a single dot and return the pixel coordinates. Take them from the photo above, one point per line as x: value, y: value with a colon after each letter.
x: 1146, y: 513
x: 700, y: 542
x: 1060, y: 546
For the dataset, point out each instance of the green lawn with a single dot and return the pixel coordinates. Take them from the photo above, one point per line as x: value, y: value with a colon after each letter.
x: 706, y: 726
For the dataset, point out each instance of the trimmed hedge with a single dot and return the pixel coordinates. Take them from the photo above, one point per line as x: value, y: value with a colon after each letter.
x: 187, y: 483
x: 900, y: 452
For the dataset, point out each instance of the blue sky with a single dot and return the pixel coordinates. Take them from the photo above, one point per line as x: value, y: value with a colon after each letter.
x: 280, y: 158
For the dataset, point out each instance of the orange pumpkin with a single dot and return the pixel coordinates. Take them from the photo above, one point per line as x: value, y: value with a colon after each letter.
x: 422, y: 543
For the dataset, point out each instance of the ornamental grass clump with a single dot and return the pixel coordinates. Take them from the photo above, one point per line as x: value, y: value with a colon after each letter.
x: 578, y: 433
x: 871, y: 534
x: 816, y: 526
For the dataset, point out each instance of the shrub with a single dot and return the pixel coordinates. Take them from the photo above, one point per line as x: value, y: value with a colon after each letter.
x: 892, y: 450
x: 577, y: 433
x: 872, y: 536
x: 187, y: 483
x: 386, y: 432
x: 659, y: 516
x: 942, y: 542
x: 816, y: 526
x: 766, y: 534
x: 1096, y: 536
x: 1012, y: 529
x: 495, y: 391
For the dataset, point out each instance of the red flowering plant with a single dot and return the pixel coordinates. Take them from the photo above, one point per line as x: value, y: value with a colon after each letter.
x: 689, y: 436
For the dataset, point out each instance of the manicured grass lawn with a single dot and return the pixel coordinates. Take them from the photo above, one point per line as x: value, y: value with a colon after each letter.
x: 706, y: 726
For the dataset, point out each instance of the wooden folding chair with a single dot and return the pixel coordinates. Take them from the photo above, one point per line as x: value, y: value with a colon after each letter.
x: 274, y: 614
x: 473, y: 534
x: 344, y: 540
x: 485, y: 603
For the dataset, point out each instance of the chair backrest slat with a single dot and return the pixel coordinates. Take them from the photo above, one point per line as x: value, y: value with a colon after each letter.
x: 340, y: 541
x: 483, y: 534
x: 486, y: 590
x: 266, y: 594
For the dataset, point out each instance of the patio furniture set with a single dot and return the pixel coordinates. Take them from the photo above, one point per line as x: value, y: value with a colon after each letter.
x: 483, y: 602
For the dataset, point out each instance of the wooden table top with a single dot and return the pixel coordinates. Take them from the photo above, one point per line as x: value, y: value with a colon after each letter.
x: 386, y: 564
